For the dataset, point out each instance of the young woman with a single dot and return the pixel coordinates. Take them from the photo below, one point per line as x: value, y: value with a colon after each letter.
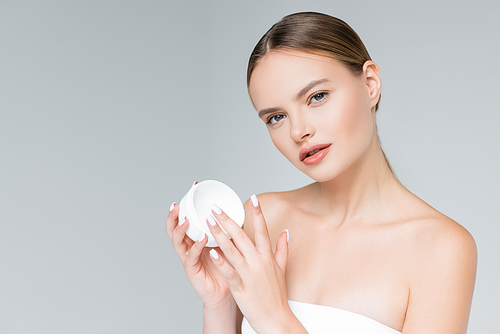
x: 355, y: 252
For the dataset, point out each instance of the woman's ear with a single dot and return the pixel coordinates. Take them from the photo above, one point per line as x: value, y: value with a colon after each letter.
x: 373, y: 83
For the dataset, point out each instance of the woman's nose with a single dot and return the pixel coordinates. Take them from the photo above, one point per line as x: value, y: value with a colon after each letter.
x: 300, y: 129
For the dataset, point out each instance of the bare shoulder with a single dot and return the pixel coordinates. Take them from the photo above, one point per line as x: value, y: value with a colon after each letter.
x: 442, y: 237
x: 443, y: 261
x: 275, y: 207
x: 424, y: 230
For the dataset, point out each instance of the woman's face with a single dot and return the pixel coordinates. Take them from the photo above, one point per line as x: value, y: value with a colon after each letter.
x: 320, y: 116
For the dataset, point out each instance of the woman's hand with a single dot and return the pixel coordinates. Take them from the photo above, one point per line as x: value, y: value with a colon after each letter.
x: 208, y: 283
x: 255, y: 275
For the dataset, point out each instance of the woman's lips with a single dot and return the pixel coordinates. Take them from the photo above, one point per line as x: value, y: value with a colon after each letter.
x: 318, y: 152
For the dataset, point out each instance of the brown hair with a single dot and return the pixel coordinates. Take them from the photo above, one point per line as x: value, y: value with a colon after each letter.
x: 314, y: 33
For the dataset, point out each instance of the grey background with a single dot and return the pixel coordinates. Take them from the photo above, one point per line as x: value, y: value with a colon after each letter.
x: 111, y: 109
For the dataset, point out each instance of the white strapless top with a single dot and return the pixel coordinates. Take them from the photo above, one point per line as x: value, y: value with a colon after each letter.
x: 319, y: 319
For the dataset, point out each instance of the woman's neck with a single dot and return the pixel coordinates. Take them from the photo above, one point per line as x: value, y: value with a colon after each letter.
x: 361, y: 192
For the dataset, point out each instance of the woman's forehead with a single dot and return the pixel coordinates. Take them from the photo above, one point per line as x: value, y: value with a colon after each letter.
x: 274, y: 59
x: 287, y: 72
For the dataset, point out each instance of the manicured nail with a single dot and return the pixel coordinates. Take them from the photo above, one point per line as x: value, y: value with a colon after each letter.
x: 255, y: 201
x: 200, y: 239
x: 172, y: 206
x: 211, y: 220
x: 287, y: 235
x: 216, y: 209
x: 214, y: 253
x: 195, y: 183
x: 182, y: 221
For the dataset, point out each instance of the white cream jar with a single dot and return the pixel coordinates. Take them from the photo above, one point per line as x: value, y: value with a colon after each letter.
x: 196, y: 206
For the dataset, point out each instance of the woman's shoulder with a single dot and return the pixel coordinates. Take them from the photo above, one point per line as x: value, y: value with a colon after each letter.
x: 431, y: 229
x: 281, y: 202
x: 440, y: 270
x: 274, y: 206
x: 436, y: 243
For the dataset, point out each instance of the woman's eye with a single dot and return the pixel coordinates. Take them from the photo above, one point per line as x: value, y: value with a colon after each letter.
x: 275, y: 119
x: 318, y: 97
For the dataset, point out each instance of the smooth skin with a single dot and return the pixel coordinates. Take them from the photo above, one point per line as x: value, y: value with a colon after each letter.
x: 359, y: 240
x: 220, y: 313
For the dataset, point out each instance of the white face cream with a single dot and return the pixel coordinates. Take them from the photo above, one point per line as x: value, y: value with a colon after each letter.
x: 196, y: 204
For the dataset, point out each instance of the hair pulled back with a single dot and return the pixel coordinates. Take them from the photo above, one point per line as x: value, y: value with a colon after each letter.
x: 314, y: 33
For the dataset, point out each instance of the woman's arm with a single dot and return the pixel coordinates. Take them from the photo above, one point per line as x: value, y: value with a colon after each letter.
x: 442, y: 283
x: 219, y: 308
x: 222, y: 318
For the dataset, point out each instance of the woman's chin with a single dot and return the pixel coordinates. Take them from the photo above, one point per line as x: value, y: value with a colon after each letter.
x: 321, y: 176
x: 323, y: 173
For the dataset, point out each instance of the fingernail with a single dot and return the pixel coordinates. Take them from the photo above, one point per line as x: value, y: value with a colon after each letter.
x: 211, y: 220
x: 287, y: 235
x: 195, y: 183
x: 216, y: 209
x: 182, y: 221
x: 255, y: 201
x: 214, y: 253
x: 172, y: 206
x: 200, y: 239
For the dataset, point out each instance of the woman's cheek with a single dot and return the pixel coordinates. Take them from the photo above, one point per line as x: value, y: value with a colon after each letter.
x: 284, y: 145
x: 277, y: 141
x: 355, y: 123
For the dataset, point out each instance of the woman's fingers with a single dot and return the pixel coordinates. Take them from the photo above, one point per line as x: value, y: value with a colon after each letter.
x: 232, y: 253
x: 179, y: 237
x: 240, y: 239
x: 172, y: 219
x: 281, y: 255
x: 176, y: 230
x: 229, y: 273
x: 195, y: 251
x: 262, y: 240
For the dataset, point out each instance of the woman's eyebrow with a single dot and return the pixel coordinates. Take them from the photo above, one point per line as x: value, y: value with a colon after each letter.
x: 309, y: 86
x: 267, y: 111
x: 302, y: 92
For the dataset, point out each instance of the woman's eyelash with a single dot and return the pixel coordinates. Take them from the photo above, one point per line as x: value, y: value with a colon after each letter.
x: 318, y: 96
x: 273, y: 117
